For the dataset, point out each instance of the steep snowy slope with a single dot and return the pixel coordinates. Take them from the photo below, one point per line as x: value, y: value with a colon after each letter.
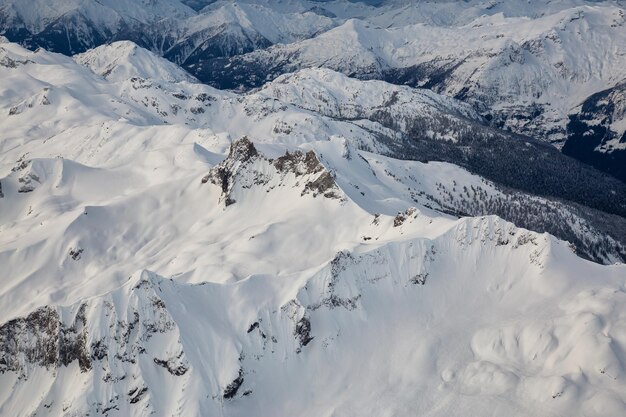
x: 335, y: 95
x: 123, y: 60
x: 515, y: 323
x: 166, y: 26
x: 523, y: 65
x: 173, y: 249
x: 518, y: 63
x: 418, y: 124
x: 47, y: 119
x: 397, y: 13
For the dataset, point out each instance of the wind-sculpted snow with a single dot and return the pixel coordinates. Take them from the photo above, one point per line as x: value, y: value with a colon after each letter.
x: 121, y: 61
x: 168, y: 248
x: 516, y: 319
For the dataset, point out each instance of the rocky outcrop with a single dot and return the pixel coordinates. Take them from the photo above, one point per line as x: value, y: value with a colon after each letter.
x: 42, y: 339
x: 302, y: 332
x: 55, y: 337
x: 403, y: 217
x: 231, y: 390
x: 245, y: 167
x: 241, y: 153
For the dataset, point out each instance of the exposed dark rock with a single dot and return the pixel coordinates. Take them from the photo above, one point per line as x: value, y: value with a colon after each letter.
x: 75, y: 254
x: 334, y: 301
x: 180, y: 96
x: 323, y: 185
x: 41, y: 339
x: 420, y: 279
x: 242, y: 152
x: 299, y: 163
x: 172, y: 365
x: 302, y: 332
x: 339, y: 264
x: 44, y: 339
x: 137, y: 394
x: 73, y: 342
x: 28, y: 182
x: 330, y: 299
x: 205, y: 98
x: 30, y: 340
x: 21, y: 165
x: 253, y: 326
x: 402, y: 217
x: 99, y: 350
x: 231, y: 390
x: 8, y: 62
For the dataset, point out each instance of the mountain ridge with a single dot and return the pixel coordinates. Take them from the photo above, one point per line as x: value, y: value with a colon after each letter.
x: 171, y: 248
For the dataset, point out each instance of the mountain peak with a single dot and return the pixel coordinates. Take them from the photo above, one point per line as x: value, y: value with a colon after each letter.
x: 122, y: 60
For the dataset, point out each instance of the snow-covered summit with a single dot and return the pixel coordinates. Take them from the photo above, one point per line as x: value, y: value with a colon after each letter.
x: 336, y: 95
x: 123, y: 60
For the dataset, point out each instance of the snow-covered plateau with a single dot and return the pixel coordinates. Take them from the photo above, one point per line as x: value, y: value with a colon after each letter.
x: 318, y: 246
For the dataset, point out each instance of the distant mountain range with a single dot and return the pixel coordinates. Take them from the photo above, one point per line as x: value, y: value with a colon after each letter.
x: 525, y: 66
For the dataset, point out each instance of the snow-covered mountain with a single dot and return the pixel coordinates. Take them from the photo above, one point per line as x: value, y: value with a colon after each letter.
x: 168, y: 27
x: 76, y: 25
x: 227, y: 29
x: 374, y: 116
x: 505, y: 326
x: 524, y: 65
x: 124, y: 60
x: 169, y: 248
x: 525, y: 74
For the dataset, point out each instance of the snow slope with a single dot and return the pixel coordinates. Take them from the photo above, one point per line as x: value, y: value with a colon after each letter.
x: 517, y: 323
x: 173, y: 249
x: 123, y: 60
x: 335, y: 95
x: 524, y: 73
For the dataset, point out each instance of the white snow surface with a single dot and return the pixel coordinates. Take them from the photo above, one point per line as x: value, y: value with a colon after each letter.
x: 359, y: 299
x: 123, y: 60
